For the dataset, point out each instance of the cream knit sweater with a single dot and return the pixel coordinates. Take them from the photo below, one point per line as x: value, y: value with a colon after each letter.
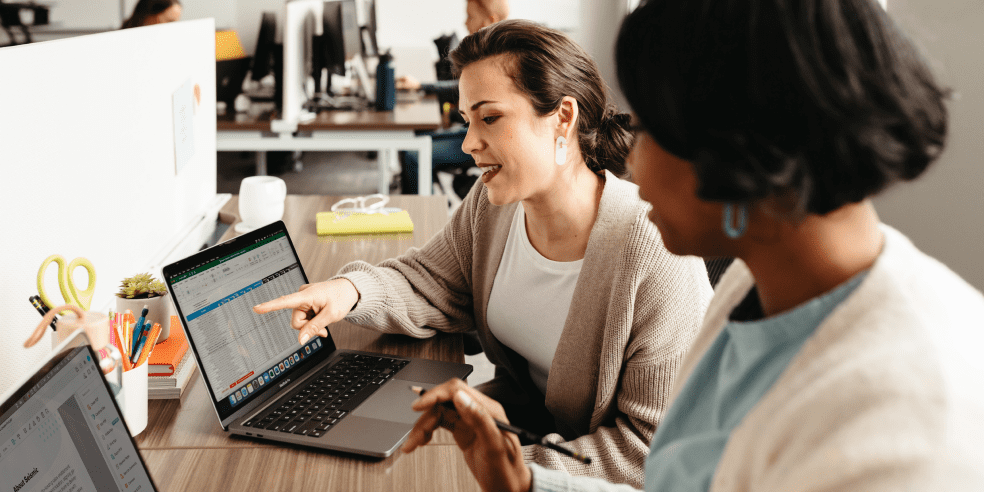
x: 887, y: 395
x: 636, y: 309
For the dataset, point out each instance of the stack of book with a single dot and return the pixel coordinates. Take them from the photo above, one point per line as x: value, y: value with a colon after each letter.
x: 171, y: 365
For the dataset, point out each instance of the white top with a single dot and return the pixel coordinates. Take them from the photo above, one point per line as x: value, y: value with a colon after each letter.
x: 530, y: 299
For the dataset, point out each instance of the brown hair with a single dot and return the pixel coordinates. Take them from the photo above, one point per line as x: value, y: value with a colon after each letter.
x: 546, y: 66
x: 826, y: 100
x: 147, y: 8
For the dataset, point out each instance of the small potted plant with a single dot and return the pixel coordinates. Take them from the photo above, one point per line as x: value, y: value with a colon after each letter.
x: 142, y: 290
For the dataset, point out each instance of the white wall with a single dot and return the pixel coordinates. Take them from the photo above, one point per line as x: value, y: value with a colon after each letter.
x: 942, y: 211
x: 71, y: 18
x: 409, y: 27
x: 598, y: 27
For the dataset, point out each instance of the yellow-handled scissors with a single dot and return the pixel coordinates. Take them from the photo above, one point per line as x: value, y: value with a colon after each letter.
x: 66, y: 283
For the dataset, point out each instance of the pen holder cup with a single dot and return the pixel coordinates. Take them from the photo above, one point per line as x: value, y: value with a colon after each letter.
x: 132, y: 398
x: 95, y: 324
x: 159, y: 310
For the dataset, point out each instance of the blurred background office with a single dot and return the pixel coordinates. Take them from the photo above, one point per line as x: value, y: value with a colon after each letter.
x: 947, y: 31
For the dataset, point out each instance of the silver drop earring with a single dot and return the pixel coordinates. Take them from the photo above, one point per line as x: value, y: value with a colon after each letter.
x: 560, y: 151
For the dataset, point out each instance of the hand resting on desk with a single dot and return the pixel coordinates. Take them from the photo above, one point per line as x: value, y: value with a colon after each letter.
x: 315, y: 306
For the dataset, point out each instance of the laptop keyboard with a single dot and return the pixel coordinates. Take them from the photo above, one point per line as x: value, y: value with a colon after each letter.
x: 329, y: 397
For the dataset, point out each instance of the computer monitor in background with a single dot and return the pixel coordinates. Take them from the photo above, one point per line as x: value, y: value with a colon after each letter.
x: 339, y: 48
x: 341, y: 40
x: 265, y: 42
x: 368, y: 30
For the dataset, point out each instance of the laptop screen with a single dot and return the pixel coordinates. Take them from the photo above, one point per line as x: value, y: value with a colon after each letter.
x: 242, y: 353
x: 63, y: 431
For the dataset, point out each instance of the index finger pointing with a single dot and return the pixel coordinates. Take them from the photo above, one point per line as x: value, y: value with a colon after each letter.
x: 290, y: 301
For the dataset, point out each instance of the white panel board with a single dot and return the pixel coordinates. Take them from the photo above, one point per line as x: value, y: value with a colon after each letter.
x: 88, y: 160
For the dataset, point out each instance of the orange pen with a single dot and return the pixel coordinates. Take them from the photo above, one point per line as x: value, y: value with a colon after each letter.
x: 119, y: 346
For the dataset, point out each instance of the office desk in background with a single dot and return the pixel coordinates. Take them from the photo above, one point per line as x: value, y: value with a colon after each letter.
x: 384, y: 131
x: 185, y: 449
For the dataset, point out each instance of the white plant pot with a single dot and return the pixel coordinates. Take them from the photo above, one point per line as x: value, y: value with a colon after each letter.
x: 159, y: 310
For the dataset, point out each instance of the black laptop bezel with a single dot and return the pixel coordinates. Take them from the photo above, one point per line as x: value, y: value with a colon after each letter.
x: 68, y: 353
x: 225, y: 411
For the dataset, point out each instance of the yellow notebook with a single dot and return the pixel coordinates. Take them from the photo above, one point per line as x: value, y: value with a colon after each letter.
x: 331, y: 223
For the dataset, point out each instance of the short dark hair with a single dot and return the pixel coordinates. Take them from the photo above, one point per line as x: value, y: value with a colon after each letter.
x: 822, y: 100
x: 546, y: 66
x: 146, y: 8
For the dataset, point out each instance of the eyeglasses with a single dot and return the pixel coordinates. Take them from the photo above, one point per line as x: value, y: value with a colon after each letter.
x: 364, y: 205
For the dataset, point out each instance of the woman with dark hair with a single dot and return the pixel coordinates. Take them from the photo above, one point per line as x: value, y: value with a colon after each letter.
x: 150, y: 12
x: 550, y: 260
x: 834, y: 355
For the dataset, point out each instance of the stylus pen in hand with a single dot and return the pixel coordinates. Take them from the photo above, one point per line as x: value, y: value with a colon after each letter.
x: 523, y: 433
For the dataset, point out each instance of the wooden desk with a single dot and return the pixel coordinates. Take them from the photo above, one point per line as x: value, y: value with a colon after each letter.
x: 382, y: 131
x: 186, y: 449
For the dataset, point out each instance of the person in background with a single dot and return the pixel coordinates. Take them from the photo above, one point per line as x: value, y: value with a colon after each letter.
x: 446, y: 153
x: 479, y: 14
x: 150, y: 12
x: 550, y: 260
x: 835, y: 356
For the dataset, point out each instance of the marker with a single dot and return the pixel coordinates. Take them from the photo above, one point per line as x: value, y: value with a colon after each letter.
x: 43, y: 309
x: 141, y: 341
x: 138, y: 328
x: 448, y: 406
x: 148, y: 344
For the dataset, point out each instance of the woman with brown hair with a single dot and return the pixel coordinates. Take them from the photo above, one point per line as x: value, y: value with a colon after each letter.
x: 150, y: 12
x: 835, y: 356
x: 550, y: 260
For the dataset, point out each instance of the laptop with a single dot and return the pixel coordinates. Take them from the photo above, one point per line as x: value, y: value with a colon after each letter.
x: 262, y: 382
x: 62, y: 429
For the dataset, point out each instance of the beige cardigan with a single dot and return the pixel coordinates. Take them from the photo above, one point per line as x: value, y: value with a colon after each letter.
x: 636, y: 309
x: 886, y: 395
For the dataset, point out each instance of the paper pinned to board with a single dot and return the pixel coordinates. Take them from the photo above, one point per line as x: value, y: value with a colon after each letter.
x: 183, y: 101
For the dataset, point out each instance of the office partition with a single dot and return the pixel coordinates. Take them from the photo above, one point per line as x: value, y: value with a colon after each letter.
x: 105, y: 153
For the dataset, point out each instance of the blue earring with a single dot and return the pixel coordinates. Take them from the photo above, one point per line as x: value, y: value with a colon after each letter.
x: 735, y: 231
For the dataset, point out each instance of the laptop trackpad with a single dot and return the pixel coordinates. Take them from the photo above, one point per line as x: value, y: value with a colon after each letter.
x: 367, y: 436
x: 390, y: 402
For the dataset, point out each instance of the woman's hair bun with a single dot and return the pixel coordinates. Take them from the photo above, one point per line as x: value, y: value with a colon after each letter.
x: 612, y: 143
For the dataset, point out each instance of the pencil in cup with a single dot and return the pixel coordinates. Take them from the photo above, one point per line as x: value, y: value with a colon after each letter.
x: 523, y: 433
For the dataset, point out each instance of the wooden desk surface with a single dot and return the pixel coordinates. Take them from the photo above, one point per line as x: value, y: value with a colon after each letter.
x: 186, y: 449
x: 428, y: 469
x: 423, y: 114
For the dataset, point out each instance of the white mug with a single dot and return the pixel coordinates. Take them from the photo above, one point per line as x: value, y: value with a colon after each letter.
x: 261, y: 201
